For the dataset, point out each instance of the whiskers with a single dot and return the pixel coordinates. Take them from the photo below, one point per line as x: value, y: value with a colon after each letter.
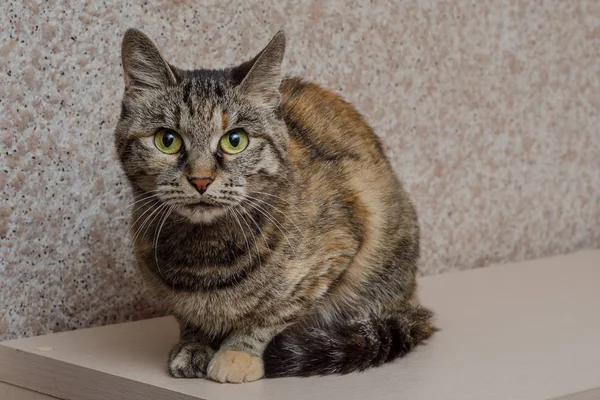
x: 240, y: 215
x: 86, y: 216
x: 142, y: 201
x: 96, y: 204
x: 262, y: 207
x: 160, y: 213
x: 154, y: 207
x: 303, y: 214
x: 157, y: 236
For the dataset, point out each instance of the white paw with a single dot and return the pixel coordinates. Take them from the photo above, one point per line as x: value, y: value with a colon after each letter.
x: 235, y: 367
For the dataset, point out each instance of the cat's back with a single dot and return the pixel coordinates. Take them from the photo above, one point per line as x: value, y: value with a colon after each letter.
x: 326, y: 125
x: 348, y: 186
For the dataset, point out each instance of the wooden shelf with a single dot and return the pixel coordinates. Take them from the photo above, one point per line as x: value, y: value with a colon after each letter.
x: 520, y: 331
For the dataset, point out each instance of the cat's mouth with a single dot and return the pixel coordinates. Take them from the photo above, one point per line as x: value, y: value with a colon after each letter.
x: 201, y: 205
x: 201, y: 211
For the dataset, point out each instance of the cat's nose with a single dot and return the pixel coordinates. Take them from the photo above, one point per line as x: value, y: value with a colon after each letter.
x: 201, y: 184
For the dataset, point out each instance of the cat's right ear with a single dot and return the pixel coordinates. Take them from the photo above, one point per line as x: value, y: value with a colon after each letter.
x: 143, y: 66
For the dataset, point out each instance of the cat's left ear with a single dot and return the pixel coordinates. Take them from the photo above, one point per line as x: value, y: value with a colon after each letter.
x: 263, y: 77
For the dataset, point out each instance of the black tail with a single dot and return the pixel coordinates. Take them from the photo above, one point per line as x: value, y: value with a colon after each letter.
x: 347, y: 346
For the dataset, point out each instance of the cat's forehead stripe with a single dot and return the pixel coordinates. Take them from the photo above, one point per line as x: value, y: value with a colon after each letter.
x: 216, y: 116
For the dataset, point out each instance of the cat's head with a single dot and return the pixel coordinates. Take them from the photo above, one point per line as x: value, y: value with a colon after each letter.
x: 201, y: 141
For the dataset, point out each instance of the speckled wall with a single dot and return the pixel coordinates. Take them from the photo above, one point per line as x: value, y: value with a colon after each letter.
x: 489, y: 111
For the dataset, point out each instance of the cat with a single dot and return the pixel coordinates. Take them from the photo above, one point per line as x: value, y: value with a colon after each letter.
x: 268, y: 220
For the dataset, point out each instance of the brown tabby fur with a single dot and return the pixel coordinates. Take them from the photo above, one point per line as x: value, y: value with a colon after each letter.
x: 302, y: 258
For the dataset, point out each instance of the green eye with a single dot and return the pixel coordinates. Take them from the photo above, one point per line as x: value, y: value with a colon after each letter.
x: 234, y: 142
x: 168, y: 141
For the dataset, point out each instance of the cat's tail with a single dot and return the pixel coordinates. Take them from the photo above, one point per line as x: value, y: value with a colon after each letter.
x: 348, y: 346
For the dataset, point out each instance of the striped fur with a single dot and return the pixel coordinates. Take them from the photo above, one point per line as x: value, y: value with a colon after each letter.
x: 348, y: 345
x: 302, y: 258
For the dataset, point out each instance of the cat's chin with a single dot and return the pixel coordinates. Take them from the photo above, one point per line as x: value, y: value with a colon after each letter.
x: 201, y: 215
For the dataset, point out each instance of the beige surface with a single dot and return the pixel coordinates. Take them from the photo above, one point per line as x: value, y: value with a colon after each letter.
x: 591, y: 394
x: 489, y: 110
x: 523, y: 331
x: 10, y: 392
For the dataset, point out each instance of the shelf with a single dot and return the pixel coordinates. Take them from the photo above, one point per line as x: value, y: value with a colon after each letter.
x: 527, y: 330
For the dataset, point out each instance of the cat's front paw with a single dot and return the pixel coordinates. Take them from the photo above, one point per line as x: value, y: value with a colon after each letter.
x: 189, y: 360
x: 235, y: 367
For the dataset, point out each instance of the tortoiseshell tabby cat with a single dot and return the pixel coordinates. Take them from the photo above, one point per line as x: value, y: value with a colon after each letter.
x: 269, y: 220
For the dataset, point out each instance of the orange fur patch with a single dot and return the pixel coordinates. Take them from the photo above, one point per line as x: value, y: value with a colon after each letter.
x: 224, y: 120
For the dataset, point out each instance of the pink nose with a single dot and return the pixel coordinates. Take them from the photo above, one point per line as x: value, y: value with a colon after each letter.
x: 201, y: 184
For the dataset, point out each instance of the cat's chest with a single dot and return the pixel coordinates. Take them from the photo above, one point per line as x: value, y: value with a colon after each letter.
x: 215, y: 312
x: 195, y: 251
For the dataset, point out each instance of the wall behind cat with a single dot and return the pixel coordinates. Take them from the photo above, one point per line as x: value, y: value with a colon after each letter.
x: 489, y: 112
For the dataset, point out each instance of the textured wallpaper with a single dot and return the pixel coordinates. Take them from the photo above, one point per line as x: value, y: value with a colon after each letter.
x: 490, y: 112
